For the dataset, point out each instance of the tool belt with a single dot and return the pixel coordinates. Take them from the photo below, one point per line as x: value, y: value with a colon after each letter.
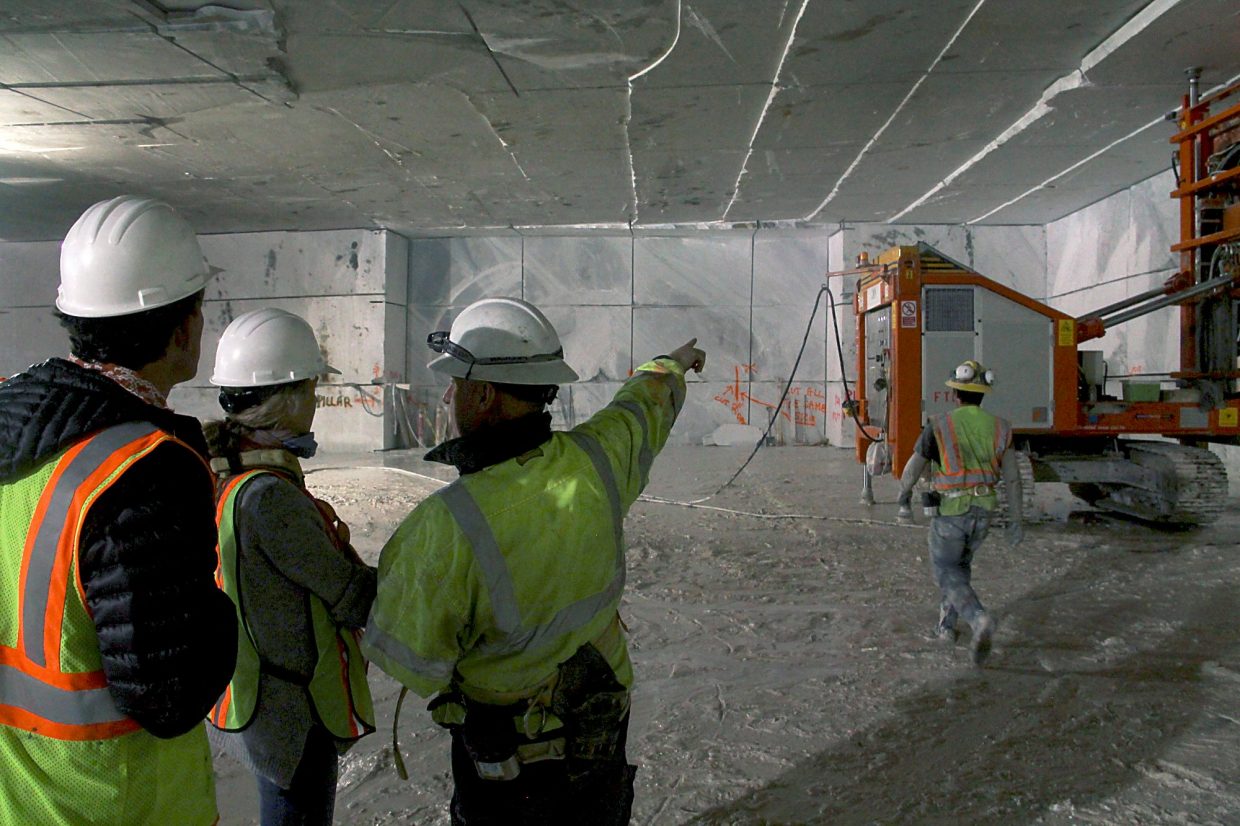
x: 975, y: 490
x: 577, y: 716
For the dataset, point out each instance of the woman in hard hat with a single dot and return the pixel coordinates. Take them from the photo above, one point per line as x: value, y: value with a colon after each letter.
x: 299, y: 697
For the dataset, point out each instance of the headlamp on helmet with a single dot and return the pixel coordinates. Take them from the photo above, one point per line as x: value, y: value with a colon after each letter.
x: 971, y: 377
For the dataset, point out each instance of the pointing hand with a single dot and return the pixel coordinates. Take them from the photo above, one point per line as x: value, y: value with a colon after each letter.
x: 688, y: 356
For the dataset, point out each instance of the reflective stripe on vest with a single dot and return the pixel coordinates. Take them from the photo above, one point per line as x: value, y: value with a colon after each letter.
x: 645, y: 456
x: 958, y: 471
x: 473, y: 524
x: 500, y: 588
x: 678, y: 387
x: 35, y: 693
x: 227, y: 714
x: 339, y: 693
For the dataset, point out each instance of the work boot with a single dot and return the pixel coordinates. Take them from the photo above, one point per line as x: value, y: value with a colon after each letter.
x: 983, y: 629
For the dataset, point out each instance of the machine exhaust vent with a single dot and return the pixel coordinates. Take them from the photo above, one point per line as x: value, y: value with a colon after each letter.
x: 949, y: 310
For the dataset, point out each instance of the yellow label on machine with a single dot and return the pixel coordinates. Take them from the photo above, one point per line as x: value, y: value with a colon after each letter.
x: 1067, y: 332
x: 1229, y: 417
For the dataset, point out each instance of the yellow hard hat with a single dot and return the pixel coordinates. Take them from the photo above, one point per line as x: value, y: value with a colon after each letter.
x: 971, y: 377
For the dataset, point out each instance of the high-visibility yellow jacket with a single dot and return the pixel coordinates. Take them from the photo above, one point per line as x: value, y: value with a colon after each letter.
x: 75, y: 757
x: 497, y: 578
x: 338, y: 692
x: 971, y: 443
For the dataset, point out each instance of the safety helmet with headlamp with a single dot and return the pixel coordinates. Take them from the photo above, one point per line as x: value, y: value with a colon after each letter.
x: 971, y: 377
x: 503, y: 340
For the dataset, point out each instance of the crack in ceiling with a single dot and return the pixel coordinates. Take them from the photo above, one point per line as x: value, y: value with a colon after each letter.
x: 587, y: 114
x: 792, y: 33
x: 1076, y: 79
x: 895, y: 112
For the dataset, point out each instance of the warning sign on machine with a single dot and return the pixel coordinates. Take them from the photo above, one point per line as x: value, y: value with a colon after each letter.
x: 908, y: 313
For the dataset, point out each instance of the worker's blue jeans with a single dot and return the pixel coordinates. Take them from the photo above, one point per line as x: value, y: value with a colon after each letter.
x: 311, y: 797
x: 953, y: 541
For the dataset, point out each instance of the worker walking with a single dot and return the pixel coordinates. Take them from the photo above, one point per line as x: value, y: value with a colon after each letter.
x: 499, y: 593
x: 115, y: 639
x: 969, y: 450
x: 299, y: 697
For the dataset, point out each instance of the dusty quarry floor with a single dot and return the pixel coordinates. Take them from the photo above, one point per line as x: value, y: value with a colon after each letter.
x: 786, y: 676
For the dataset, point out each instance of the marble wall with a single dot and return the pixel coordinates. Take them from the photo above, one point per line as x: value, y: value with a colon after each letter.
x: 1118, y: 247
x: 29, y: 333
x: 748, y: 297
x: 618, y: 300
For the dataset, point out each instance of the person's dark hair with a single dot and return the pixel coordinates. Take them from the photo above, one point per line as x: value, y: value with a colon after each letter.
x: 133, y: 340
x: 531, y: 393
x: 970, y: 397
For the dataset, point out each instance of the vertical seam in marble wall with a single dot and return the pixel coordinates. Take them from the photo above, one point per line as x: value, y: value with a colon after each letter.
x: 1046, y: 265
x: 753, y: 238
x: 632, y: 296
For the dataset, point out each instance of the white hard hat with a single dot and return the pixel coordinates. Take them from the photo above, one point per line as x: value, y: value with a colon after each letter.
x: 503, y: 340
x: 127, y: 255
x: 265, y: 347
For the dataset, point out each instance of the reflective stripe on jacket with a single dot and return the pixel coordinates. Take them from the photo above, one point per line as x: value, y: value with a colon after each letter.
x: 339, y: 693
x: 58, y: 723
x: 497, y: 578
x: 971, y: 443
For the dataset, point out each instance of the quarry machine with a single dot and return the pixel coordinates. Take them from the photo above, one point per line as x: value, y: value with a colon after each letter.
x: 919, y: 314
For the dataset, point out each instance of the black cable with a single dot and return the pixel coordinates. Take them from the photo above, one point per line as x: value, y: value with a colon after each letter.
x: 839, y: 348
x: 787, y: 387
x: 365, y: 399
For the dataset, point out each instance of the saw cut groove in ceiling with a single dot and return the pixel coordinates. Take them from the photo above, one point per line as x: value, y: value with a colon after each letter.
x: 377, y: 140
x: 1066, y: 171
x: 736, y: 187
x: 1090, y: 157
x: 895, y: 113
x: 1075, y: 79
x: 490, y: 52
x: 367, y: 115
x: 628, y: 113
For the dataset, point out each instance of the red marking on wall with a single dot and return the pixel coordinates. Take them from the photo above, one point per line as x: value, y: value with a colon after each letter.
x: 801, y: 406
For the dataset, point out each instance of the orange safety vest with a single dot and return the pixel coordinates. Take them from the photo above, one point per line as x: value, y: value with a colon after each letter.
x: 58, y: 722
x: 971, y: 445
x: 338, y: 691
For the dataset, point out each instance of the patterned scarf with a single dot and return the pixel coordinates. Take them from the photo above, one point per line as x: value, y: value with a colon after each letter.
x: 127, y: 379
